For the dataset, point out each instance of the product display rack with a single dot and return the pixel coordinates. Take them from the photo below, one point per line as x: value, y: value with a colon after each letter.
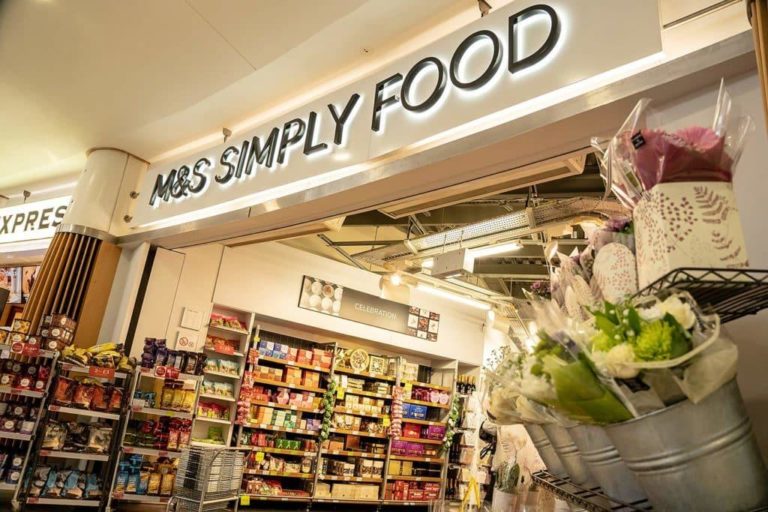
x: 17, y: 443
x: 440, y: 378
x: 203, y: 424
x: 147, y: 379
x: 276, y: 356
x: 592, y: 500
x: 84, y: 461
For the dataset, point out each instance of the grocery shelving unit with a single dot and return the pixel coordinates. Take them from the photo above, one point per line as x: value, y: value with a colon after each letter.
x: 82, y: 461
x: 240, y: 336
x: 439, y: 380
x: 148, y: 379
x: 303, y: 452
x: 17, y: 442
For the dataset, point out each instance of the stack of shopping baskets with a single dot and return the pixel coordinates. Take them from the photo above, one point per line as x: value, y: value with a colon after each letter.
x: 207, y: 479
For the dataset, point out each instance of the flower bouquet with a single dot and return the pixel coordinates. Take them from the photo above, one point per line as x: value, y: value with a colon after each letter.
x: 678, y: 184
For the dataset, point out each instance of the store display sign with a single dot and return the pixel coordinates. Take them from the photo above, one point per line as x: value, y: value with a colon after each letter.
x: 335, y: 300
x: 514, y: 60
x: 32, y: 221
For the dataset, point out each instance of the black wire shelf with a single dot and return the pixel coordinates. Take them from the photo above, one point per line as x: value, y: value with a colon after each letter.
x: 593, y: 500
x: 731, y: 293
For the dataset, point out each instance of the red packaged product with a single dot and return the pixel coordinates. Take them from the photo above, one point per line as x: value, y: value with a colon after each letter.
x: 116, y: 400
x: 65, y: 388
x: 99, y: 401
x: 83, y: 395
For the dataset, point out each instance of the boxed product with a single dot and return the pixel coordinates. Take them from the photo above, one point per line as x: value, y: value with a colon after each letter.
x: 394, y: 468
x: 311, y: 379
x: 411, y: 430
x: 304, y: 356
x: 293, y: 376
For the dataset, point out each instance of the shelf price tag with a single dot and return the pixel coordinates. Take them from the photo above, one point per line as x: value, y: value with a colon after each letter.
x: 245, y: 500
x: 101, y: 373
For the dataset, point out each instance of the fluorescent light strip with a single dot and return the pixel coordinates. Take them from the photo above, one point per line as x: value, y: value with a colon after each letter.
x: 496, y: 249
x: 467, y: 301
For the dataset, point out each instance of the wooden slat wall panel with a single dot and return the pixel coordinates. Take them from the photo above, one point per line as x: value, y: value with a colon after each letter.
x: 63, y: 280
x: 96, y: 296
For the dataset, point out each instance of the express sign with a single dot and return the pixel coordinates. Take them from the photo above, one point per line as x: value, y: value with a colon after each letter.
x: 517, y: 53
x: 32, y: 221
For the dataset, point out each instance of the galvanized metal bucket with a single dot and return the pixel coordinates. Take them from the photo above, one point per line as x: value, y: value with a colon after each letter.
x: 605, y: 464
x: 569, y: 455
x: 545, y: 449
x: 700, y: 457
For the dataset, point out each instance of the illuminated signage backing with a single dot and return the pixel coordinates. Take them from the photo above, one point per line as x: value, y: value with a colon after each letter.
x: 32, y: 221
x: 522, y: 57
x: 271, y: 151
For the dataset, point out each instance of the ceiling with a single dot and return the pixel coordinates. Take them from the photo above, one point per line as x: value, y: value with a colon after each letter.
x: 148, y: 76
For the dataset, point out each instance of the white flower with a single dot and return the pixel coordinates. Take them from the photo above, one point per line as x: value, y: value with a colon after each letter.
x: 650, y: 314
x: 614, y: 362
x: 680, y: 310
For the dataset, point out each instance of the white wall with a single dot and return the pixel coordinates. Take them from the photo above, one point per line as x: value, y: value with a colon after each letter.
x: 267, y: 279
x: 750, y: 183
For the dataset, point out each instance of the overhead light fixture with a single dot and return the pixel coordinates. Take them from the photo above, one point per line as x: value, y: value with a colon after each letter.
x: 428, y: 263
x: 395, y: 279
x: 467, y: 301
x: 491, y: 316
x: 492, y: 250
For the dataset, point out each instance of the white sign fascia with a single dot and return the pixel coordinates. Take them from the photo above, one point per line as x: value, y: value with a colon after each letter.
x: 515, y: 59
x: 32, y: 221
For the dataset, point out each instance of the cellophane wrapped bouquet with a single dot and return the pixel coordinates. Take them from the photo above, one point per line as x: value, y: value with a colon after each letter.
x: 678, y: 184
x: 624, y: 360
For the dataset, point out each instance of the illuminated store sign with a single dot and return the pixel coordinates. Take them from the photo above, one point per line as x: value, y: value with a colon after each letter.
x: 32, y: 221
x: 501, y: 62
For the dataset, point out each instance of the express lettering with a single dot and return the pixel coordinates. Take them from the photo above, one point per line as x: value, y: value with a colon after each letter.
x: 31, y: 220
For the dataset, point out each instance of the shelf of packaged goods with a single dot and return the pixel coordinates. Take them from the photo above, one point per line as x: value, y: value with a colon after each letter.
x: 49, y: 354
x: 424, y: 422
x: 150, y: 373
x: 228, y: 329
x: 371, y: 394
x: 417, y: 384
x: 287, y: 499
x: 275, y: 405
x: 361, y: 455
x: 336, y: 478
x: 218, y: 397
x: 420, y: 440
x: 358, y: 433
x: 74, y: 455
x: 21, y: 392
x: 374, y: 376
x: 140, y: 498
x: 213, y: 420
x: 286, y: 362
x: 151, y: 452
x: 431, y: 460
x: 428, y: 404
x: 221, y: 374
x: 212, y: 350
x: 344, y: 410
x: 67, y: 367
x: 264, y: 426
x: 84, y: 412
x: 15, y: 435
x: 138, y: 408
x: 259, y: 472
x: 64, y: 502
x: 415, y: 478
x: 289, y: 386
x: 280, y: 451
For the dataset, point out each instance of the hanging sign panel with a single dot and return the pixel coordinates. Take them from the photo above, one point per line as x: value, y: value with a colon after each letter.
x: 32, y: 221
x: 335, y: 300
x: 516, y: 59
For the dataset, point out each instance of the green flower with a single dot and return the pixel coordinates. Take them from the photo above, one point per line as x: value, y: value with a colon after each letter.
x: 654, y: 342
